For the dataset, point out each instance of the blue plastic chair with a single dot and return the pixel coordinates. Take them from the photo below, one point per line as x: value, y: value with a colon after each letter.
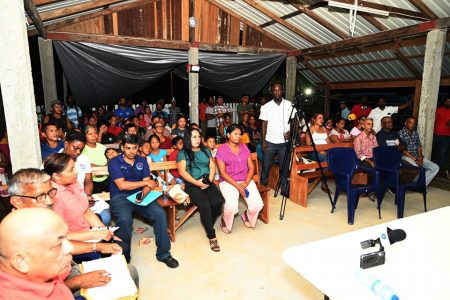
x: 388, y: 162
x: 344, y: 163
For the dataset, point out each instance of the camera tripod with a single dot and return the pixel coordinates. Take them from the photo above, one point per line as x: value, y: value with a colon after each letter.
x: 287, y: 160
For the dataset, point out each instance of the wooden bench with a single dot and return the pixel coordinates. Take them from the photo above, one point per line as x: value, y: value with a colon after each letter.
x: 302, y: 183
x: 170, y: 206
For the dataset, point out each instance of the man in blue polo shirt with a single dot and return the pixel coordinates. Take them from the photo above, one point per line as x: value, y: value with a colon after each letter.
x: 52, y: 143
x: 129, y: 173
x: 123, y: 112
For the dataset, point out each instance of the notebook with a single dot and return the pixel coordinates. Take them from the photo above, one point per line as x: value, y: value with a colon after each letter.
x: 152, y: 196
x: 121, y: 285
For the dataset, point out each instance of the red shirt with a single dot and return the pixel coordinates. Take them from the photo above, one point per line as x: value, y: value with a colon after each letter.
x: 167, y: 144
x: 358, y: 111
x: 202, y: 111
x: 441, y: 123
x: 173, y: 157
x: 114, y: 130
x: 21, y: 289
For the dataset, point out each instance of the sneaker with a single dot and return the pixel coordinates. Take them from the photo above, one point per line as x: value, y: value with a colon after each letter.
x: 170, y: 262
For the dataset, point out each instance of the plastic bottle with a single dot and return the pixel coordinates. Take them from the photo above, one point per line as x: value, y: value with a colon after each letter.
x: 164, y: 190
x: 379, y: 288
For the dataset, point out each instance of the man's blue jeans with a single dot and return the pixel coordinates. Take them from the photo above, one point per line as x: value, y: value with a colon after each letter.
x: 271, y: 150
x: 123, y: 210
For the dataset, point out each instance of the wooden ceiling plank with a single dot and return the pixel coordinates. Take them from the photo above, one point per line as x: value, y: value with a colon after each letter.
x: 304, y: 9
x: 279, y: 20
x: 153, y: 43
x: 423, y: 8
x: 380, y: 36
x: 251, y: 24
x: 94, y: 15
x: 42, y: 2
x: 34, y: 15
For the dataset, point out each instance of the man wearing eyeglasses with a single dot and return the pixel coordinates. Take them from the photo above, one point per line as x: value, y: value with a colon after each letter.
x: 31, y: 188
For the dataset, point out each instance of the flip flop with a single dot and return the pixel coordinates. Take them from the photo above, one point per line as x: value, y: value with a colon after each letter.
x: 244, y: 218
x: 141, y: 230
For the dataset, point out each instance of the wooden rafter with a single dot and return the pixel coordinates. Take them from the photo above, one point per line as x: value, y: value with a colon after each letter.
x: 316, y: 72
x: 34, y: 15
x: 406, y: 61
x: 402, y: 83
x: 75, y: 9
x: 250, y: 24
x: 372, y: 20
x: 42, y: 2
x: 423, y: 8
x: 89, y: 16
x: 304, y: 9
x: 409, y: 42
x: 153, y: 43
x: 379, y: 37
x: 279, y: 20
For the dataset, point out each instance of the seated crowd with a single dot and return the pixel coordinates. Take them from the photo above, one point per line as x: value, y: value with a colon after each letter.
x: 126, y: 141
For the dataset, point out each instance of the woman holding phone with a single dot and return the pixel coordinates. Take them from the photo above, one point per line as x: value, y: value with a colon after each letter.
x: 236, y: 172
x: 197, y: 168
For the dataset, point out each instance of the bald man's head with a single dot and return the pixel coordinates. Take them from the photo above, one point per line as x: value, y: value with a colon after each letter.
x: 34, y: 245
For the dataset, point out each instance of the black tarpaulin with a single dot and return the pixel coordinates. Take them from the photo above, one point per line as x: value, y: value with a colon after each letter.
x: 100, y: 74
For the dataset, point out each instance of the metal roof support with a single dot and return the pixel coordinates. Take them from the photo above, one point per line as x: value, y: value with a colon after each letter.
x: 434, y: 55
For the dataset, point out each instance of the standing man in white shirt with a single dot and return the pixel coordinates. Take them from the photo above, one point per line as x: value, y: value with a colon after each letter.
x: 275, y: 132
x: 384, y: 111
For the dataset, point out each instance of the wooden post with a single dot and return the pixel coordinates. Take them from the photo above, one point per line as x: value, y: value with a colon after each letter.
x: 326, y: 103
x: 434, y: 54
x: 193, y: 85
x: 17, y: 87
x: 291, y: 77
x: 47, y: 71
x: 417, y: 91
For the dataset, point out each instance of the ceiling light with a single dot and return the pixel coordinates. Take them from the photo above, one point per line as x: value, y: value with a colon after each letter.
x: 358, y: 8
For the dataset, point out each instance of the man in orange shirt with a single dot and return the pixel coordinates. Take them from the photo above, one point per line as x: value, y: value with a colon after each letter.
x: 34, y: 254
x: 441, y: 139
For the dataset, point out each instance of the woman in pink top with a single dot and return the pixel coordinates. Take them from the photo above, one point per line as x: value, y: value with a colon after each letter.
x: 71, y: 201
x: 236, y: 172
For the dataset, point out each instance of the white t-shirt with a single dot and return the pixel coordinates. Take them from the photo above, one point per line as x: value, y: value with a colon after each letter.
x: 210, y: 123
x: 83, y: 166
x: 377, y: 114
x: 277, y: 117
x: 355, y: 131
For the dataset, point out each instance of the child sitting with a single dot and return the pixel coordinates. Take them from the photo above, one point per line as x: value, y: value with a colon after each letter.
x: 180, y: 128
x: 210, y: 143
x: 177, y: 145
x: 110, y: 153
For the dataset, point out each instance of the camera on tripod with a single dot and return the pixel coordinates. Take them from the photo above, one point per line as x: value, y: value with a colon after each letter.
x: 303, y: 98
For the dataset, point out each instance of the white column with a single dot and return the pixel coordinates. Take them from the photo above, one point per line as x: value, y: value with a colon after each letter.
x: 434, y: 54
x: 291, y: 77
x: 47, y: 71
x: 193, y: 86
x: 17, y: 87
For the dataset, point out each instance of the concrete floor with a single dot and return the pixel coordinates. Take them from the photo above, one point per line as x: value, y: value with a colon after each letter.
x: 249, y: 265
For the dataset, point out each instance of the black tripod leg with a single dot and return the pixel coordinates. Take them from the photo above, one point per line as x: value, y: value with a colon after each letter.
x: 283, y: 207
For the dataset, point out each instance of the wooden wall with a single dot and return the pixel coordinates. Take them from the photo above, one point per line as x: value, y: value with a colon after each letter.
x: 168, y: 19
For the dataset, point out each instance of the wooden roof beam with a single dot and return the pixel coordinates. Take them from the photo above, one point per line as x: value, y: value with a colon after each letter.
x: 406, y: 82
x: 34, y: 15
x: 423, y: 8
x: 405, y: 60
x: 378, y: 37
x: 74, y: 9
x: 279, y: 20
x: 89, y: 16
x: 315, y: 72
x: 373, y: 21
x: 304, y: 9
x: 153, y: 43
x: 251, y: 24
